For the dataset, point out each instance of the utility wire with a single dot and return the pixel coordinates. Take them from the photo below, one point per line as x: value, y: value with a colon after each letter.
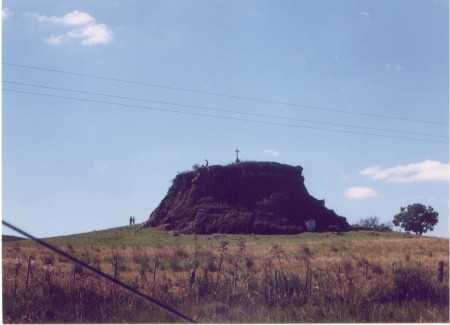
x: 219, y: 116
x: 100, y: 273
x: 208, y: 108
x: 217, y: 94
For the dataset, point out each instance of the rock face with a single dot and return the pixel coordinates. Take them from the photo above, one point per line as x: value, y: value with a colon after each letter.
x: 247, y: 197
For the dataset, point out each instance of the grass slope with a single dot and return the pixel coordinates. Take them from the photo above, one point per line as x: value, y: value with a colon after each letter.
x: 134, y: 235
x: 358, y: 276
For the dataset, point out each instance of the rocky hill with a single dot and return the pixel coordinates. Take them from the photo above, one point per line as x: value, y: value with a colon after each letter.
x: 246, y: 197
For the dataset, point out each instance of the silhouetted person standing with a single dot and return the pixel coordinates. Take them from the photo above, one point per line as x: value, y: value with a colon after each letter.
x: 131, y: 220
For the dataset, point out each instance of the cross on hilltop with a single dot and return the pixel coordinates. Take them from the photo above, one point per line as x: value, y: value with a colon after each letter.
x: 237, y: 155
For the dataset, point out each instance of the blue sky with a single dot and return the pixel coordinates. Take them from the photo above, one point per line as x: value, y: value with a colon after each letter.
x: 73, y: 166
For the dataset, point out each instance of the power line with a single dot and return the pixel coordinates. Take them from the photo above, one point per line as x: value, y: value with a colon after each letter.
x: 220, y: 116
x: 100, y: 273
x: 218, y: 94
x: 216, y: 116
x: 208, y: 108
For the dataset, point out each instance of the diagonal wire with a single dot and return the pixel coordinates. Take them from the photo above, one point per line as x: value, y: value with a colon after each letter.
x: 100, y: 273
x: 142, y: 107
x: 209, y: 108
x: 217, y: 94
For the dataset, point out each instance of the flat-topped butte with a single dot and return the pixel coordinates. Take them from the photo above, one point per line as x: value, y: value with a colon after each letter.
x: 245, y: 197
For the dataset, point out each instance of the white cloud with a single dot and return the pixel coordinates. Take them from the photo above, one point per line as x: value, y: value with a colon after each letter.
x: 429, y: 170
x: 89, y: 35
x: 95, y: 34
x: 85, y: 29
x: 271, y: 152
x: 6, y: 13
x: 74, y: 18
x: 360, y: 193
x: 364, y: 13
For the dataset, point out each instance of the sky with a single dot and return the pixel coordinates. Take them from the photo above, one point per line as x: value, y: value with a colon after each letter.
x: 72, y: 166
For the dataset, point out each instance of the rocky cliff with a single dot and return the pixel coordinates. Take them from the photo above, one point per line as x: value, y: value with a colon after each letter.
x: 246, y: 197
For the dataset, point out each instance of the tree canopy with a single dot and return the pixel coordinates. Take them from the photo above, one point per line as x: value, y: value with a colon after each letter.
x: 417, y: 218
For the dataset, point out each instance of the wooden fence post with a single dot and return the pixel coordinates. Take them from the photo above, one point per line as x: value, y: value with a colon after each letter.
x: 441, y: 271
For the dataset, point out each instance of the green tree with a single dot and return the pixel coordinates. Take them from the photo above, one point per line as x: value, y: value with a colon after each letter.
x: 416, y: 218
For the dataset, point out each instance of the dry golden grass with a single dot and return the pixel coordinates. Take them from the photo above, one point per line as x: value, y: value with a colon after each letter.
x: 356, y: 276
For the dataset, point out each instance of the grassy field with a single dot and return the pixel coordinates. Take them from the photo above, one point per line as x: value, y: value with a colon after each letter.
x: 313, y: 277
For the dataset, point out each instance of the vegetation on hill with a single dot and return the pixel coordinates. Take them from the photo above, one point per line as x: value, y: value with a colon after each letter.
x: 6, y: 238
x: 417, y: 218
x: 312, y: 277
